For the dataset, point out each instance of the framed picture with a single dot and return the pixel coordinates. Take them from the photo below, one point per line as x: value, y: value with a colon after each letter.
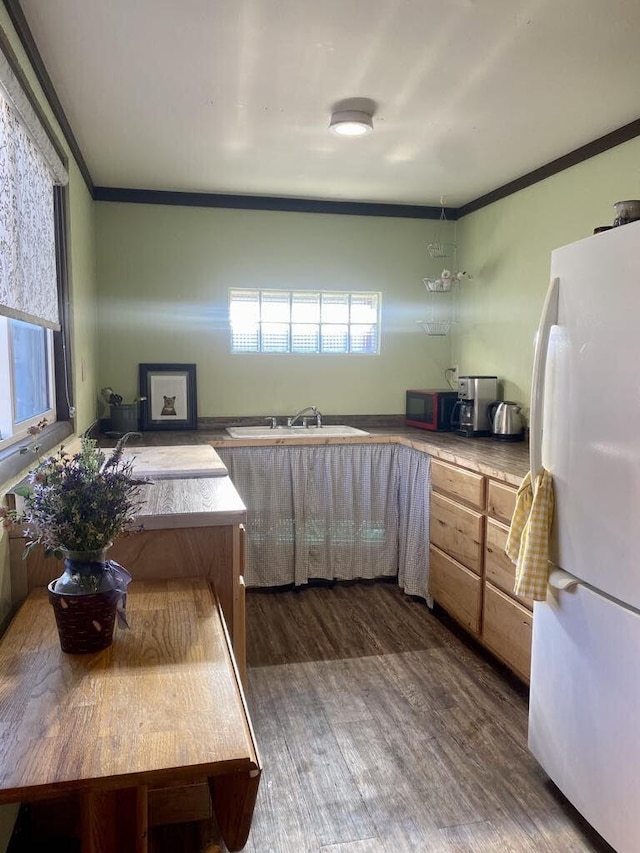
x: 170, y: 391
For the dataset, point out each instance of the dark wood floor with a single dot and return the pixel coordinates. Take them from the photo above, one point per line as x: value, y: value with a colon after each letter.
x: 381, y: 730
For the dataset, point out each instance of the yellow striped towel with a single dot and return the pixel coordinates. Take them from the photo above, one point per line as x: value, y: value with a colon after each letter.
x: 528, y: 541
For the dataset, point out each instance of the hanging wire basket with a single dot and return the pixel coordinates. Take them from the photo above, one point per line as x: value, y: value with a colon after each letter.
x: 438, y: 249
x: 438, y: 285
x: 436, y: 327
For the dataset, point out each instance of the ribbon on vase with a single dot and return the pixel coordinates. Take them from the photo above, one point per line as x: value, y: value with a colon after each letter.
x: 121, y: 579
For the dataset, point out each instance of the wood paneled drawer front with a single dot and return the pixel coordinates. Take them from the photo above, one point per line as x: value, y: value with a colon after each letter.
x: 506, y: 630
x: 501, y: 501
x: 457, y: 530
x: 498, y: 568
x: 456, y: 589
x: 465, y: 485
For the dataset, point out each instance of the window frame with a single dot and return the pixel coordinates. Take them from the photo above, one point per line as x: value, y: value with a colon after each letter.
x: 20, y: 429
x: 290, y: 323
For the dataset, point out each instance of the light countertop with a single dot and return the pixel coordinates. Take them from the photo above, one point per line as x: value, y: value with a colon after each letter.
x: 190, y: 484
x: 183, y: 461
x: 500, y: 460
x: 194, y: 502
x: 201, y: 501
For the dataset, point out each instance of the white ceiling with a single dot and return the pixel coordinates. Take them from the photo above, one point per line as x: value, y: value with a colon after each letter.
x: 235, y: 96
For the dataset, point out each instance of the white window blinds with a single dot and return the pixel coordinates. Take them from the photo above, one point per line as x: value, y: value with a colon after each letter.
x: 29, y: 167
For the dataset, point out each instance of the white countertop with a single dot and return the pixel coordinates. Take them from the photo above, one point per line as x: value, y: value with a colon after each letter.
x: 176, y: 462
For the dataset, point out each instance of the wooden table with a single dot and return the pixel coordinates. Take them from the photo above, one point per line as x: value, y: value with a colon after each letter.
x: 163, y: 705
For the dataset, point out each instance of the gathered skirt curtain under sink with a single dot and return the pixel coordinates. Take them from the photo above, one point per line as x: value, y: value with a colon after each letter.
x: 337, y: 512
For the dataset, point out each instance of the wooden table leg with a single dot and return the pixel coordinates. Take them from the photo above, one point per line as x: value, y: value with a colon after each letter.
x: 234, y: 799
x: 115, y: 821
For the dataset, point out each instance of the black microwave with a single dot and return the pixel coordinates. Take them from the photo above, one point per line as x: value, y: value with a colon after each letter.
x: 430, y: 409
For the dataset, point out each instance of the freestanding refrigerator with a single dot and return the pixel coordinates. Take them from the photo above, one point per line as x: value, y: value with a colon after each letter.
x: 584, y: 716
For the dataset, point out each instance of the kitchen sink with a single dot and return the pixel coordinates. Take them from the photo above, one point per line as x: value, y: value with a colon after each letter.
x: 295, y: 431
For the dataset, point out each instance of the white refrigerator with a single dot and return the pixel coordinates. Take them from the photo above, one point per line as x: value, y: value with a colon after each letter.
x: 584, y: 717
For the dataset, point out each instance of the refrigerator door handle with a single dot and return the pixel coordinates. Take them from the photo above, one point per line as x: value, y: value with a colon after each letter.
x: 559, y: 579
x: 547, y: 320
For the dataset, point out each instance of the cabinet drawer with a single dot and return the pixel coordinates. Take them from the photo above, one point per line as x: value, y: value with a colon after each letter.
x: 506, y: 630
x: 456, y: 589
x: 462, y: 484
x: 498, y: 568
x: 501, y: 501
x: 457, y: 530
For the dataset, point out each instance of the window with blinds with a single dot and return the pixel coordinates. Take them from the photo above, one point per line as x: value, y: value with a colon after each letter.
x: 304, y: 321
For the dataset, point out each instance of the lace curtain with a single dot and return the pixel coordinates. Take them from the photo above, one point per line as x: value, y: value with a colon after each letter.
x: 336, y: 512
x: 29, y: 167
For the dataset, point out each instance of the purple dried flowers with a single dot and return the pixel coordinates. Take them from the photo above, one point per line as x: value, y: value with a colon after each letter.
x: 81, y: 502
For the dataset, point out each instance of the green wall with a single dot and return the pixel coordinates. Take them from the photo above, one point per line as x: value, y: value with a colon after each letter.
x: 507, y: 247
x: 164, y: 274
x: 83, y: 295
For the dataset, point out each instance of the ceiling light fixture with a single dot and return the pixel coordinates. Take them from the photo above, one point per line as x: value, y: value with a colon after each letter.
x: 351, y: 122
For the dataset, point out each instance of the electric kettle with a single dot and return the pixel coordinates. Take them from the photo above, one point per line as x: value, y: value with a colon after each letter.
x: 506, y: 421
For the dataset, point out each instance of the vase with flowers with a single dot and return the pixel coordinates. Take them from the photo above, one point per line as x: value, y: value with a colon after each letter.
x: 77, y: 504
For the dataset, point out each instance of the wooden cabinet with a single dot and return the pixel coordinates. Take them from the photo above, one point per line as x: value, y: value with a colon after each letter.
x: 457, y: 530
x: 498, y: 568
x: 507, y: 619
x: 501, y: 501
x: 456, y: 589
x: 506, y: 630
x: 457, y: 543
x: 470, y: 575
x: 463, y: 485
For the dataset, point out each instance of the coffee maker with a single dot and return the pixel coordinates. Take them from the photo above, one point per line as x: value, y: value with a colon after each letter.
x: 475, y: 394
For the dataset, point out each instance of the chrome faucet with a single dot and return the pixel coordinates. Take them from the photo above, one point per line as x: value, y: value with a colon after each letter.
x: 273, y: 422
x: 318, y: 416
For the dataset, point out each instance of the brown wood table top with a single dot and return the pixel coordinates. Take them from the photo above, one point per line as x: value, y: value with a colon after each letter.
x: 163, y: 704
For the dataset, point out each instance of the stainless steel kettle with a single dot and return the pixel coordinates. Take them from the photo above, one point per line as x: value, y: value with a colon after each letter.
x: 506, y: 422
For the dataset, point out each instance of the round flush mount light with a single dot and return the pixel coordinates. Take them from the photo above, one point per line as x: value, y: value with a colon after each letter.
x: 351, y: 122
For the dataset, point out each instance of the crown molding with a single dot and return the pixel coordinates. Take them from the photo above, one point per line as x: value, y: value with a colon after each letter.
x: 254, y: 202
